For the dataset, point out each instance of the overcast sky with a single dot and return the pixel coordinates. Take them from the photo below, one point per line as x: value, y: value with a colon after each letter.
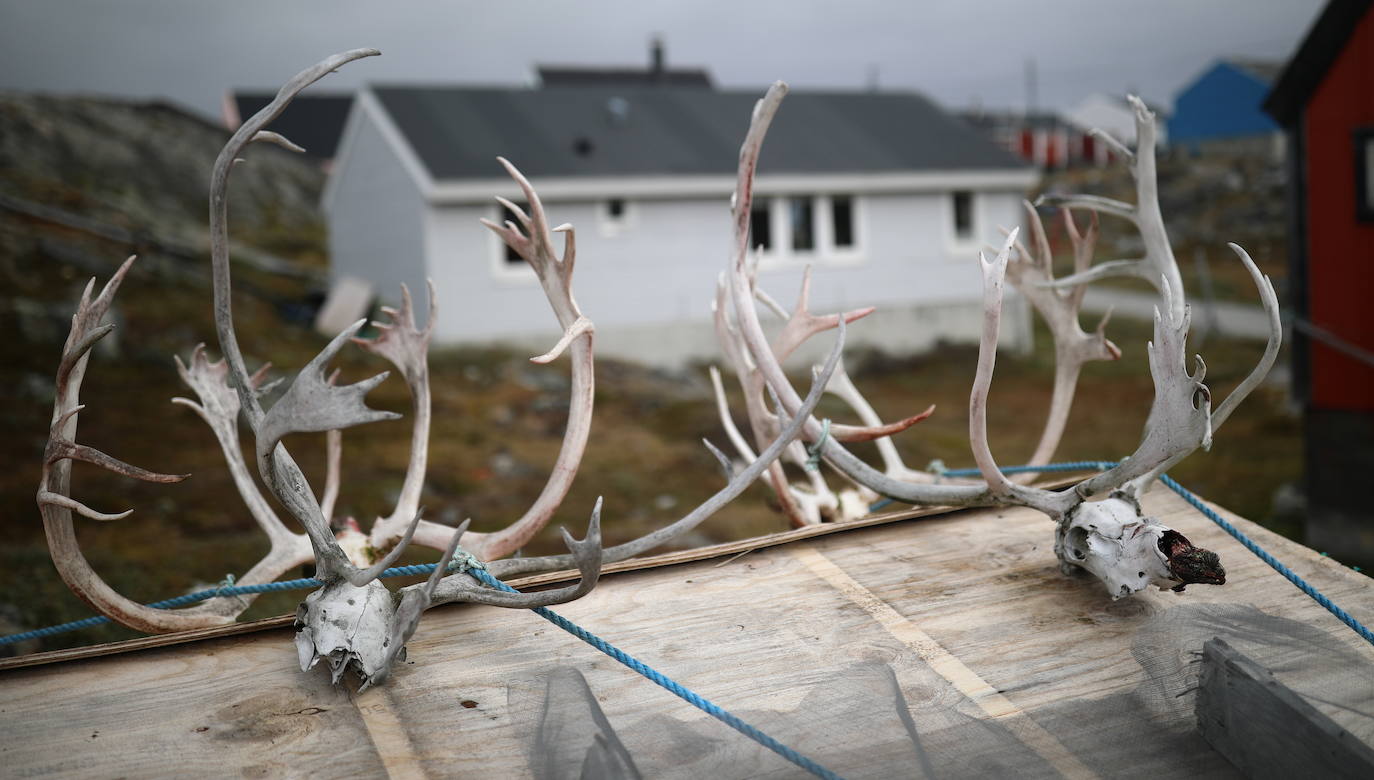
x: 961, y: 52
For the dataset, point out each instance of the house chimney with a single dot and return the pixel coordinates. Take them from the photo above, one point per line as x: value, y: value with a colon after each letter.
x: 656, y: 60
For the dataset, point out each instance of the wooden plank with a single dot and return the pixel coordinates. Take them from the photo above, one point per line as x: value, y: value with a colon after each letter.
x: 990, y: 700
x: 762, y: 635
x: 533, y: 581
x: 233, y: 706
x: 1267, y: 730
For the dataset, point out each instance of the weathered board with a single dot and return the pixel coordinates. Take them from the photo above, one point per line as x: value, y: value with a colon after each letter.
x: 1267, y: 730
x: 968, y: 610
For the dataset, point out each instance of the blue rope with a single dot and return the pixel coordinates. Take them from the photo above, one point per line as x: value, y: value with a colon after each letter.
x: 667, y: 683
x: 475, y: 569
x: 228, y: 589
x: 1196, y: 503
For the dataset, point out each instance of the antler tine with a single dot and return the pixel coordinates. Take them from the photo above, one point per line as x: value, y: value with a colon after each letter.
x: 1270, y: 302
x: 56, y: 505
x: 406, y: 346
x: 751, y: 332
x: 414, y: 600
x: 762, y: 422
x: 1158, y: 262
x: 802, y: 324
x: 1180, y: 416
x: 555, y: 276
x: 1084, y: 245
x: 1033, y: 276
x: 586, y: 555
x: 742, y: 479
x: 842, y: 387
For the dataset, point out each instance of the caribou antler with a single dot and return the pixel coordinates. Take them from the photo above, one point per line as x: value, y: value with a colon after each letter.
x: 1111, y: 538
x: 1108, y: 537
x: 54, y: 487
x: 736, y: 485
x: 1030, y: 272
x: 1157, y: 266
x: 535, y: 246
x: 406, y: 346
x: 741, y: 296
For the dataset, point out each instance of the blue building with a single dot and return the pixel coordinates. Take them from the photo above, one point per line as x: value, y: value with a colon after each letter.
x: 1224, y: 103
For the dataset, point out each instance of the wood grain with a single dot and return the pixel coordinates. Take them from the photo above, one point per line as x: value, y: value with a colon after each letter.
x: 762, y: 635
x: 1265, y: 729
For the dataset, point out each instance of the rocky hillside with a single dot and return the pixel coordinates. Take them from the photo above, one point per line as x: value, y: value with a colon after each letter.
x: 144, y: 167
x: 1221, y: 195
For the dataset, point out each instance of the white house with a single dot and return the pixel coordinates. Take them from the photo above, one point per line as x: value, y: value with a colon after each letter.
x: 884, y: 194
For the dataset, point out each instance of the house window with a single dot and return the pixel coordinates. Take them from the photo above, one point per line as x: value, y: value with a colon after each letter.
x: 963, y: 214
x: 760, y: 226
x: 805, y: 228
x: 842, y: 221
x: 510, y: 256
x: 616, y: 216
x: 1364, y: 174
x: 803, y: 224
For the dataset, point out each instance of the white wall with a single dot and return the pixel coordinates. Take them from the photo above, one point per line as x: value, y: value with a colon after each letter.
x: 648, y: 284
x: 376, y: 216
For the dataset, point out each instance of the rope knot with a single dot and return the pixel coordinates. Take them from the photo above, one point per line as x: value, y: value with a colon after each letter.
x: 224, y: 584
x: 813, y: 451
x: 464, y: 561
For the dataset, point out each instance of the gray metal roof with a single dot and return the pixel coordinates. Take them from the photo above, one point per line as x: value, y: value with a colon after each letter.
x: 643, y: 131
x: 315, y: 121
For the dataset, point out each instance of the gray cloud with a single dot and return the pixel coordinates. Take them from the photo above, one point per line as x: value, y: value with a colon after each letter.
x: 960, y: 53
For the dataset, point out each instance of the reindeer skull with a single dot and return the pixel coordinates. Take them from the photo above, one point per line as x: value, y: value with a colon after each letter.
x: 1130, y: 552
x: 348, y: 625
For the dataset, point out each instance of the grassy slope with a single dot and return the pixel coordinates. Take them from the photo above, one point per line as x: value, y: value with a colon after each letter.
x: 498, y: 420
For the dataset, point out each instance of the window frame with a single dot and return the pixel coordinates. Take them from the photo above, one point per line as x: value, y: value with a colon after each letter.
x: 955, y: 243
x: 504, y: 270
x: 824, y: 250
x: 609, y: 225
x: 1362, y: 143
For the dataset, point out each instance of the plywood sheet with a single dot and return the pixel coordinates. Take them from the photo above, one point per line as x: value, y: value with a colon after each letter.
x: 968, y: 611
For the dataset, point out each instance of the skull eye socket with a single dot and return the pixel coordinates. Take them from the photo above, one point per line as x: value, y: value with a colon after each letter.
x: 1077, y: 542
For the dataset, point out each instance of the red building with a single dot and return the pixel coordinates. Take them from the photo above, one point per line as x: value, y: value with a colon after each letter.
x: 1325, y: 101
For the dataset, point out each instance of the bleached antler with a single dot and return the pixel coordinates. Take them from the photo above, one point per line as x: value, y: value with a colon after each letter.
x: 737, y: 484
x: 54, y: 488
x: 1157, y: 266
x: 535, y: 246
x: 1032, y: 273
x: 1108, y: 537
x: 1111, y: 538
x: 740, y: 286
x: 406, y: 346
